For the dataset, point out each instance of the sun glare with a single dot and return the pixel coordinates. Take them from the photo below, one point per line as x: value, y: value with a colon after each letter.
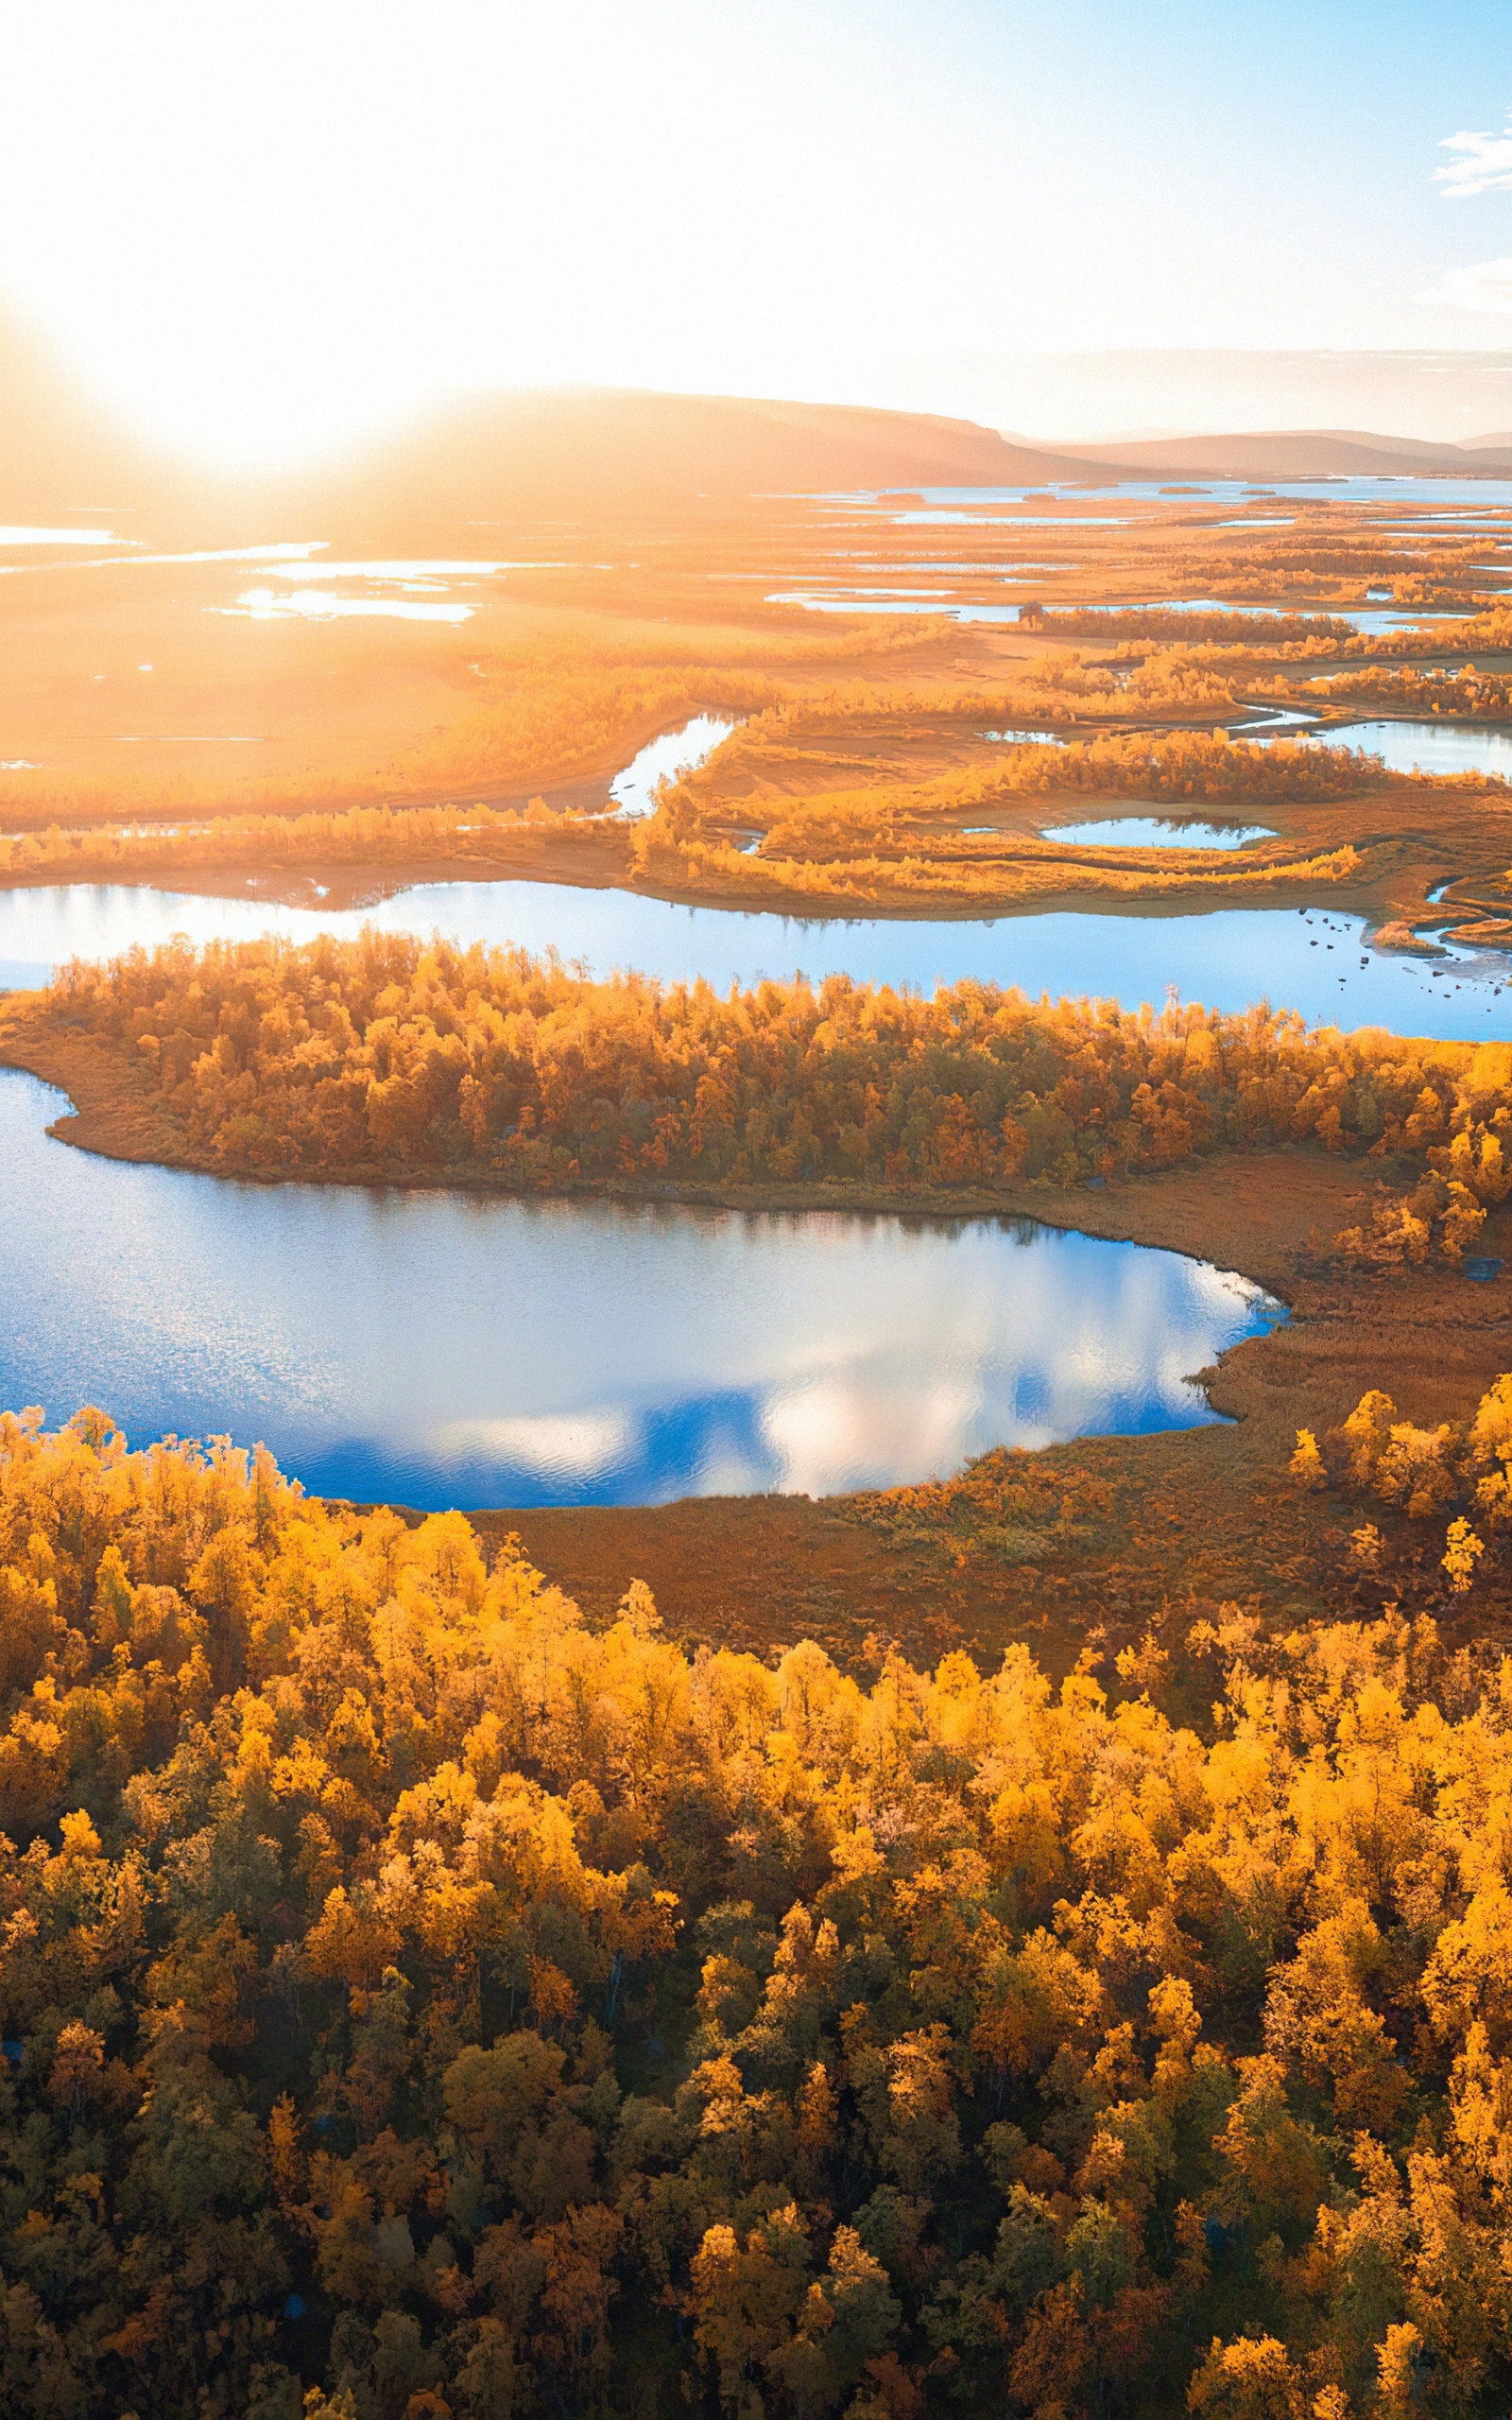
x: 264, y: 232
x: 320, y: 220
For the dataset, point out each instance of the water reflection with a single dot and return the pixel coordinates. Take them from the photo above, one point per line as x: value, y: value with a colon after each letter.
x: 1428, y: 747
x: 12, y: 535
x: 1317, y: 962
x: 1154, y: 832
x: 324, y: 605
x: 634, y: 792
x: 443, y: 1350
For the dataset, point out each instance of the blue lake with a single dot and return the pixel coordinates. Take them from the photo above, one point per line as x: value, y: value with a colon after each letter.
x: 1318, y: 963
x: 1428, y: 747
x: 1154, y: 832
x: 437, y: 1349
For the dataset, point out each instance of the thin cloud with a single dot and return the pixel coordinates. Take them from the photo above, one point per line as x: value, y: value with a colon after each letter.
x: 1483, y: 164
x: 1483, y: 286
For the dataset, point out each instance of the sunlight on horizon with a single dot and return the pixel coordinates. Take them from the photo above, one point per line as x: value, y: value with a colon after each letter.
x: 263, y: 236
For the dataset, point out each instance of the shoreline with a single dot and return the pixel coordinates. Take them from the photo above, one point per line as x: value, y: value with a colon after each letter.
x: 112, y: 1121
x: 340, y: 888
x: 1204, y: 1514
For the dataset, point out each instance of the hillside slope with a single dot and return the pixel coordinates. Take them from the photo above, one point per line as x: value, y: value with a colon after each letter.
x: 504, y: 458
x: 587, y: 452
x: 1297, y: 454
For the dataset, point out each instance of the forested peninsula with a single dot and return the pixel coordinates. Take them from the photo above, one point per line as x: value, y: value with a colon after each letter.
x: 387, y: 1057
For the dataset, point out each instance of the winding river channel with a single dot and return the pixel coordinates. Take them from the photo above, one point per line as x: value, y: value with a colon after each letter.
x: 1318, y: 961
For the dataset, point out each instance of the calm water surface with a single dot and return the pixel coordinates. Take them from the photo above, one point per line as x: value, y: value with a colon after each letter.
x: 435, y: 1349
x: 1154, y: 832
x: 633, y: 791
x: 1470, y: 494
x: 1428, y: 747
x: 1317, y: 962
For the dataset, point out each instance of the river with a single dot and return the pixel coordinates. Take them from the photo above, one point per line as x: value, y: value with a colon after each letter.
x: 1317, y: 960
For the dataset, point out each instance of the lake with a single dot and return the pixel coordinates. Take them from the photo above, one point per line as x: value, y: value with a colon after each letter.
x: 1156, y: 832
x: 1373, y: 618
x: 436, y: 1348
x: 1474, y: 495
x: 1318, y: 961
x: 1428, y: 747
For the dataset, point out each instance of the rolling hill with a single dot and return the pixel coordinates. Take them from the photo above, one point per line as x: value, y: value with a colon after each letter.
x: 1298, y: 454
x: 508, y: 458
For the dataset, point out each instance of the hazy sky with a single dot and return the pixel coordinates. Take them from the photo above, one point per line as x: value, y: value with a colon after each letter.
x: 265, y: 227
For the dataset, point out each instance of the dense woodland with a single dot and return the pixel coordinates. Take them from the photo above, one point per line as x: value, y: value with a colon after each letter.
x: 386, y: 1056
x: 1175, y: 623
x: 416, y: 2004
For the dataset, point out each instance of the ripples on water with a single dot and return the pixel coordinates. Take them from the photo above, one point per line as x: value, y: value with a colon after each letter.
x: 438, y: 1349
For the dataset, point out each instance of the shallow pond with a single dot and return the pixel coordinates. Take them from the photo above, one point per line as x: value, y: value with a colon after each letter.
x: 1154, y: 832
x: 435, y: 1349
x: 1317, y: 962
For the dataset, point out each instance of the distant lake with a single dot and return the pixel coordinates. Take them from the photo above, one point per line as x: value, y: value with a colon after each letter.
x: 1471, y: 495
x: 1373, y: 618
x: 436, y: 1348
x: 1157, y: 832
x: 1428, y: 747
x: 1316, y: 962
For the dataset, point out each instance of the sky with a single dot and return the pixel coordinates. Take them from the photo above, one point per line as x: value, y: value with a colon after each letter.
x: 265, y: 232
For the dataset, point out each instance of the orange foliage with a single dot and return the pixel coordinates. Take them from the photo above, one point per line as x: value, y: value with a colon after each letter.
x: 386, y: 1055
x: 870, y: 2049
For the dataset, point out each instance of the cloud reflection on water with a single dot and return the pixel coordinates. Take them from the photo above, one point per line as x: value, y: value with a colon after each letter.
x: 443, y: 1349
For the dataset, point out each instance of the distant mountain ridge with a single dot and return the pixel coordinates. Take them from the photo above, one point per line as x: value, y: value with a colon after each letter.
x: 562, y: 454
x: 583, y: 454
x: 587, y: 451
x: 1300, y: 454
